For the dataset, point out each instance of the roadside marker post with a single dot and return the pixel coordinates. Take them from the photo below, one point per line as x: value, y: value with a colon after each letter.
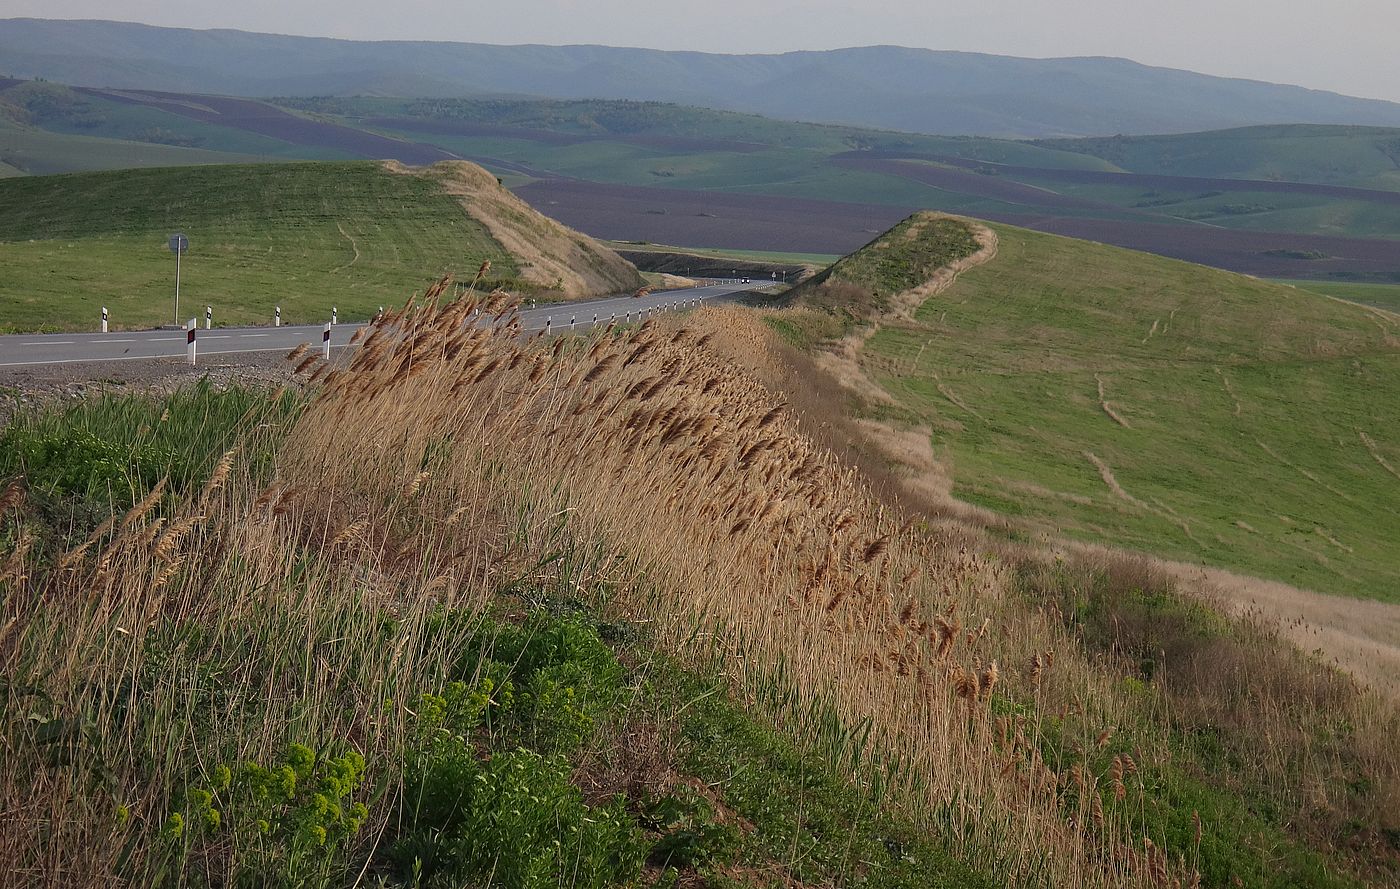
x: 573, y: 319
x: 595, y: 320
x: 333, y: 314
x: 208, y: 317
x: 277, y: 317
x: 104, y: 319
x: 189, y: 340
x: 326, y: 342
x: 548, y: 322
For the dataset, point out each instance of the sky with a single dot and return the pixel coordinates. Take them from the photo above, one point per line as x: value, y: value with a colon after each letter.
x: 1349, y: 46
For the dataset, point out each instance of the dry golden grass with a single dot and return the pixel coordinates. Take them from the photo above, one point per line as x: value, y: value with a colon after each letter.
x: 550, y: 254
x: 445, y: 461
x: 740, y: 522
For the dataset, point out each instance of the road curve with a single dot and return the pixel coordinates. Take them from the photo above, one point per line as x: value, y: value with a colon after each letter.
x: 31, y: 350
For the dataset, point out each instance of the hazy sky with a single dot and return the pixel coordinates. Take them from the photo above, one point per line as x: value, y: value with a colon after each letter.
x: 1351, y: 46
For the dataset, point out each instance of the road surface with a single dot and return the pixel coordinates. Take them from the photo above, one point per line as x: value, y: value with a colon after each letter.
x: 28, y: 350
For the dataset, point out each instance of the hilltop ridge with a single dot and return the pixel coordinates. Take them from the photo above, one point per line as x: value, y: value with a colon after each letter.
x: 873, y: 85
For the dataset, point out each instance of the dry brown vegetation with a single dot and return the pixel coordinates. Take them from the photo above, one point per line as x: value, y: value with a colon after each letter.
x: 551, y: 255
x: 446, y: 461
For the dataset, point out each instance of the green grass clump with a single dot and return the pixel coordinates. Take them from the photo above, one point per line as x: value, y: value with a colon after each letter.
x: 904, y: 257
x: 82, y: 462
x: 304, y: 236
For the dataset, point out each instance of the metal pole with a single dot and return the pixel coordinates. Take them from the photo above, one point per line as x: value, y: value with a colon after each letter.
x: 177, y: 283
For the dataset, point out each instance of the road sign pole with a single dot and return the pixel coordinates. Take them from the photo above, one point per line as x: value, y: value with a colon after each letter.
x: 177, y: 285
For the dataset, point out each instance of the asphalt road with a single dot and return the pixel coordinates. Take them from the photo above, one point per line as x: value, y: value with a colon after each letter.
x: 28, y: 350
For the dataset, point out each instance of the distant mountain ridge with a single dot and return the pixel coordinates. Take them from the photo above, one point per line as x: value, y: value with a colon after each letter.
x: 950, y: 93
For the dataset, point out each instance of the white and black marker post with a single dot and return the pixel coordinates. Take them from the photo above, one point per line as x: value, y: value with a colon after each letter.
x: 277, y: 316
x: 104, y: 319
x: 333, y: 314
x: 208, y: 317
x: 326, y: 342
x: 190, y: 327
x: 572, y: 320
x: 548, y: 322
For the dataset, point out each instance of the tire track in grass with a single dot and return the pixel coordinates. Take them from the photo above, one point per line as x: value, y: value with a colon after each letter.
x: 1376, y: 453
x: 1230, y: 390
x: 1108, y: 405
x: 1109, y: 479
x: 947, y: 392
x: 354, y: 247
x: 1310, y: 476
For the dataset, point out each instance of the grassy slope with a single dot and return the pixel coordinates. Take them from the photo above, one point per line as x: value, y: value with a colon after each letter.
x: 36, y: 152
x: 1360, y: 156
x: 303, y: 236
x: 1385, y: 296
x: 1247, y: 402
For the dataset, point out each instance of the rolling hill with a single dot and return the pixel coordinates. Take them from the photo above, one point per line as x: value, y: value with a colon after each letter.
x: 1120, y: 398
x: 305, y: 236
x: 1366, y: 157
x: 910, y: 89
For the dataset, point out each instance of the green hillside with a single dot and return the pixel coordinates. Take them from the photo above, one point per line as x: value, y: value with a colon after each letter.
x: 1368, y: 157
x: 305, y: 236
x: 1119, y: 397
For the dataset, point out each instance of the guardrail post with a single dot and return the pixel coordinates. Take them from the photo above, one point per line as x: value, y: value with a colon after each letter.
x: 189, y: 340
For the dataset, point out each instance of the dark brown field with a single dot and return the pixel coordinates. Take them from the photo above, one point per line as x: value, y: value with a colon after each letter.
x: 710, y: 219
x: 880, y: 160
x: 468, y: 129
x: 761, y: 222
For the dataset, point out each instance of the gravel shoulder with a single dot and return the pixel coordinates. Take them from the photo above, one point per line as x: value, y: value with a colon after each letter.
x: 24, y: 387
